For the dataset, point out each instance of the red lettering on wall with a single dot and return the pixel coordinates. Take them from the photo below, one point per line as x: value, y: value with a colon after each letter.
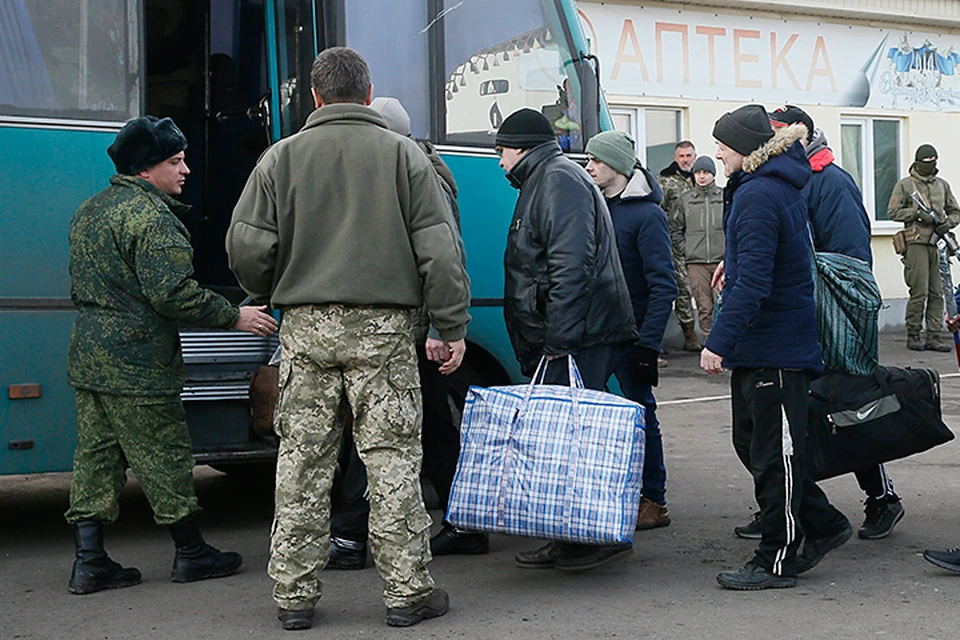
x: 629, y: 33
x: 668, y: 27
x: 779, y: 59
x: 826, y: 71
x: 740, y: 58
x: 712, y: 33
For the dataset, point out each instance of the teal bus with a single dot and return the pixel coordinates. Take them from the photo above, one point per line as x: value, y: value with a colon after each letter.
x: 234, y: 75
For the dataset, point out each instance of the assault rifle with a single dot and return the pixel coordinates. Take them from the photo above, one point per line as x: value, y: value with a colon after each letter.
x: 947, y: 247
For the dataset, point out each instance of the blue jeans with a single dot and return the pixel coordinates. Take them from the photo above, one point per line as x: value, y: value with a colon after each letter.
x: 654, y: 472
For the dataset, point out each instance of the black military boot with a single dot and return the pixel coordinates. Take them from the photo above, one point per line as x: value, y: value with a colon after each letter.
x: 93, y: 570
x: 197, y: 560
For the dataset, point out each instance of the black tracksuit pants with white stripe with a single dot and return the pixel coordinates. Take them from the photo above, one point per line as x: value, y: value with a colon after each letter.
x: 769, y: 436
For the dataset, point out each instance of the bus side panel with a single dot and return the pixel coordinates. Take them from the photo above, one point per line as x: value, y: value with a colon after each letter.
x: 47, y: 174
x: 35, y: 352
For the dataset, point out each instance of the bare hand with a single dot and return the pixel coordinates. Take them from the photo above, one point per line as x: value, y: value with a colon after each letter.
x: 710, y: 362
x: 717, y: 281
x: 456, y: 350
x: 437, y: 350
x: 257, y: 321
x: 953, y: 323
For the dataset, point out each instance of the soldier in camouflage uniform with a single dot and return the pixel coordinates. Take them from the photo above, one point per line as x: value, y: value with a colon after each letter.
x: 921, y: 263
x: 345, y: 227
x: 130, y: 269
x: 674, y: 180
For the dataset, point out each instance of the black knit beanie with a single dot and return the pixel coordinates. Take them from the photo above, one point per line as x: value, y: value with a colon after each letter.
x: 745, y: 129
x: 925, y: 151
x: 789, y: 114
x: 144, y: 142
x: 525, y: 129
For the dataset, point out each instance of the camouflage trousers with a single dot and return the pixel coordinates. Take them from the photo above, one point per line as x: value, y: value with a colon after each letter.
x: 147, y: 432
x: 682, y: 306
x: 921, y: 272
x: 366, y: 357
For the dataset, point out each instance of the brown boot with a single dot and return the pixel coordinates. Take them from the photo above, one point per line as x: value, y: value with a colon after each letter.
x: 937, y: 343
x: 690, y: 342
x: 914, y: 343
x: 652, y: 515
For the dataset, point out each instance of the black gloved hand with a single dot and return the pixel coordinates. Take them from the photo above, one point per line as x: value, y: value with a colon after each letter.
x: 645, y: 366
x: 943, y: 229
x: 924, y: 217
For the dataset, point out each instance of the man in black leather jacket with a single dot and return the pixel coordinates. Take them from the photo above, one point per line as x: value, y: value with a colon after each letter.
x: 565, y: 292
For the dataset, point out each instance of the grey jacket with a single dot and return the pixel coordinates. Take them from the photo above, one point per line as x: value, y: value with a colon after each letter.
x: 348, y: 212
x: 700, y: 211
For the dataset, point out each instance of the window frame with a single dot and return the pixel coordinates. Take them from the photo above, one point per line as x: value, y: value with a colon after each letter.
x: 867, y: 161
x: 638, y: 118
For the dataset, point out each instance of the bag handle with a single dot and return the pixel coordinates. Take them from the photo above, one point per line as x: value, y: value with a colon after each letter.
x: 573, y: 376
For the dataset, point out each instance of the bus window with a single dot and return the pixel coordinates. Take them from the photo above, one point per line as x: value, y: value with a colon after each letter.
x: 494, y: 66
x: 74, y: 59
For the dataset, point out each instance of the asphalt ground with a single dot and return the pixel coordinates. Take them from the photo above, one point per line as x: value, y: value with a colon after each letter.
x: 666, y: 589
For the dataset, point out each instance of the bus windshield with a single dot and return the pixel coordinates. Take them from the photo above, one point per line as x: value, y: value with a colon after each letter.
x: 495, y: 66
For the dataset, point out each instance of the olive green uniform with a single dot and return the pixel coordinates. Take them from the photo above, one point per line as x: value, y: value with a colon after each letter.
x: 921, y: 265
x: 673, y: 186
x: 131, y: 264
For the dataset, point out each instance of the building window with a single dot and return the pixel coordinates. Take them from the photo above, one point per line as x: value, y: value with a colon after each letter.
x: 871, y: 150
x: 656, y: 131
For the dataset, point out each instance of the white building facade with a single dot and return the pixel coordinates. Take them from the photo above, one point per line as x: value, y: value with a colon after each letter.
x: 880, y: 77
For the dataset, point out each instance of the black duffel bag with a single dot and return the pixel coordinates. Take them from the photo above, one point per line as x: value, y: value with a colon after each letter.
x: 859, y: 421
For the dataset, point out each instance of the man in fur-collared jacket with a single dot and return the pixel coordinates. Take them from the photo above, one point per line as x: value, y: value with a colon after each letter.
x: 767, y: 334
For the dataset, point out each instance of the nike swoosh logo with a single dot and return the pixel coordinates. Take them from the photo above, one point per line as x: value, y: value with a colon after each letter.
x: 866, y: 412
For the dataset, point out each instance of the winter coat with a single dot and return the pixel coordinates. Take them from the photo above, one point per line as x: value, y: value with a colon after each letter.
x: 700, y: 209
x: 348, y: 212
x: 131, y: 267
x: 768, y: 316
x: 835, y: 205
x: 644, y: 244
x: 564, y: 287
x: 938, y: 195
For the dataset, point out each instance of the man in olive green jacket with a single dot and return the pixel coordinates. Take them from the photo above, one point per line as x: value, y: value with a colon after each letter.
x: 921, y: 265
x: 700, y: 212
x: 131, y: 264
x: 345, y: 227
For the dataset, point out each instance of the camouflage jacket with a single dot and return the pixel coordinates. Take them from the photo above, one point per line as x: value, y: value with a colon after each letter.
x: 935, y: 192
x: 673, y: 184
x: 130, y: 271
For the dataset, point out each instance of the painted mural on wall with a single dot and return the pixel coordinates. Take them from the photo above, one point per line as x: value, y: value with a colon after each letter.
x: 656, y: 51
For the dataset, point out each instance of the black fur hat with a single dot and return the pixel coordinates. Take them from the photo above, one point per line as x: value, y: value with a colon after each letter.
x: 525, y: 129
x: 144, y: 142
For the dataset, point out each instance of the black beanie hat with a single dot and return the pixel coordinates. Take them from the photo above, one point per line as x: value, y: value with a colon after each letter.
x: 525, y: 129
x: 789, y: 114
x: 745, y: 129
x: 925, y: 151
x: 144, y: 142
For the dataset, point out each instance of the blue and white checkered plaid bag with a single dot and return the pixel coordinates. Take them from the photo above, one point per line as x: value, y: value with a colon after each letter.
x: 546, y: 461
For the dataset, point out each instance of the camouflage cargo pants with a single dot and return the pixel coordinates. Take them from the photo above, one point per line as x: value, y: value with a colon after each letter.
x: 367, y: 356
x: 149, y: 433
x: 682, y: 306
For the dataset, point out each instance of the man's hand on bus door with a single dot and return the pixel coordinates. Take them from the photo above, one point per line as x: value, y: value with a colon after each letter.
x: 256, y: 320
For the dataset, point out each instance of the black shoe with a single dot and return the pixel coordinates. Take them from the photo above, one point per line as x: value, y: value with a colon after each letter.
x: 451, y: 541
x: 93, y: 570
x: 587, y: 557
x: 295, y: 619
x: 750, y: 531
x: 197, y: 560
x: 433, y: 606
x: 753, y: 577
x: 814, y: 549
x: 948, y: 559
x: 347, y: 555
x: 544, y: 557
x: 882, y: 515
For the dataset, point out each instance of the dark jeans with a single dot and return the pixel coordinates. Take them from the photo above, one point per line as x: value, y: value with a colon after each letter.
x: 769, y: 436
x: 440, y: 438
x: 654, y: 471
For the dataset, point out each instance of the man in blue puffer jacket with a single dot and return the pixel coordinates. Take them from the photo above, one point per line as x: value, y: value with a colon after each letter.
x: 643, y: 240
x: 767, y: 334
